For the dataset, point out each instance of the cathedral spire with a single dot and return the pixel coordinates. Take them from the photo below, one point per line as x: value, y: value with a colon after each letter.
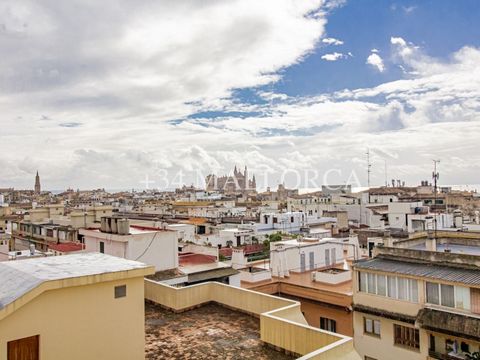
x: 37, y: 184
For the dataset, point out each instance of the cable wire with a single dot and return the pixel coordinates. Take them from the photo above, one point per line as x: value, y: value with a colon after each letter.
x: 148, y: 247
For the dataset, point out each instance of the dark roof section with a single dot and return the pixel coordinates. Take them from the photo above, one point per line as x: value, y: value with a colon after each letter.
x: 431, y: 271
x: 450, y: 323
x: 211, y: 274
x: 383, y: 313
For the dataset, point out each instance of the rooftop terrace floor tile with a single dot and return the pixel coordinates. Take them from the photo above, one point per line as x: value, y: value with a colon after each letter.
x: 209, y: 332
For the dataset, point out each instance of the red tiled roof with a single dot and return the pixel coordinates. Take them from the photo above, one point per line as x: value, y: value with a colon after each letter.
x: 141, y: 227
x: 195, y: 259
x: 66, y: 247
x: 225, y: 251
x: 247, y: 250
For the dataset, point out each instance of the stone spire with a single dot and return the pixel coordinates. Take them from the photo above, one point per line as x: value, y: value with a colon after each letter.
x: 37, y: 184
x: 246, y: 185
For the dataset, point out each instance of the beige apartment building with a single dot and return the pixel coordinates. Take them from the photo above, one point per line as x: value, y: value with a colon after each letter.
x: 76, y: 307
x: 417, y: 304
x: 314, y: 272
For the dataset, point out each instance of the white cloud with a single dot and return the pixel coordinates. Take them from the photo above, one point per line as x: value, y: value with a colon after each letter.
x: 333, y: 56
x: 409, y: 9
x: 376, y: 61
x: 332, y: 41
x: 398, y: 41
x: 125, y: 89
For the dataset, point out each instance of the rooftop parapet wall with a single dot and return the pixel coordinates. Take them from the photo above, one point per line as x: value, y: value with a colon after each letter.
x: 281, y: 321
x: 453, y: 259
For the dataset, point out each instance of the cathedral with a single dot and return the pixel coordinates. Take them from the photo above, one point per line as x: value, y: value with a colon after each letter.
x: 238, y: 183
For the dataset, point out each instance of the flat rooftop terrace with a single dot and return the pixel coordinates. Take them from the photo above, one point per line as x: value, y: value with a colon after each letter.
x: 208, y: 332
x: 454, y: 248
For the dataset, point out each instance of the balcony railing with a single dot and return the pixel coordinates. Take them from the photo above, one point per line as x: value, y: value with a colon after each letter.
x: 440, y: 356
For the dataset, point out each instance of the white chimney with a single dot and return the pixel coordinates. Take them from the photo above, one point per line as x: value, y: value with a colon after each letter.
x: 32, y: 249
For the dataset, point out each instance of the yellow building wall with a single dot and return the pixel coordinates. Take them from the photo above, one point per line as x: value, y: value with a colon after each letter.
x: 82, y: 322
x: 383, y: 347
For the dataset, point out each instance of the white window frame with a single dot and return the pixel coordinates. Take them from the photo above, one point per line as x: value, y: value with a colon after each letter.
x: 455, y: 299
x: 409, y: 294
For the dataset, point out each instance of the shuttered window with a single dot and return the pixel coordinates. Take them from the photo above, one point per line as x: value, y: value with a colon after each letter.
x: 371, y: 327
x: 475, y: 300
x: 24, y: 349
x: 328, y: 324
x: 406, y: 336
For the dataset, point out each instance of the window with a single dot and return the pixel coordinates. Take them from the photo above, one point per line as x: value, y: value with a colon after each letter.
x: 382, y: 285
x: 328, y: 324
x: 475, y: 300
x: 372, y: 283
x: 462, y: 298
x: 402, y: 288
x: 447, y: 295
x: 413, y: 290
x: 433, y: 294
x: 465, y: 347
x: 392, y: 286
x: 363, y: 281
x: 120, y: 291
x: 26, y: 348
x: 334, y: 255
x: 406, y: 336
x: 371, y: 327
x: 102, y: 247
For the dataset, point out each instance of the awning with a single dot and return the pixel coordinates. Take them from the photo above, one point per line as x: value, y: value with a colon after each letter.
x: 463, y: 326
x: 384, y: 313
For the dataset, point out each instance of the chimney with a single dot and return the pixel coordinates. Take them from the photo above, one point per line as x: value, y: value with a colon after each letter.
x: 103, y: 224
x: 431, y: 242
x: 123, y: 226
x: 32, y: 249
x: 387, y: 239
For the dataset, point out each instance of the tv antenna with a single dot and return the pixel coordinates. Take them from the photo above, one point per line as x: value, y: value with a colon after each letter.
x: 368, y: 167
x: 435, y: 177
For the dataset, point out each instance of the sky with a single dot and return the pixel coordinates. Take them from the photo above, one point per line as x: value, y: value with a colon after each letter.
x: 122, y: 94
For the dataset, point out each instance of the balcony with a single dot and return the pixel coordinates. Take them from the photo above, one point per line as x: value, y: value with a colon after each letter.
x: 439, y: 356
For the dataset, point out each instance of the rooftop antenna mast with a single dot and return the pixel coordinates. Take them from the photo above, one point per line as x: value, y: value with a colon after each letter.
x: 368, y: 167
x: 435, y: 177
